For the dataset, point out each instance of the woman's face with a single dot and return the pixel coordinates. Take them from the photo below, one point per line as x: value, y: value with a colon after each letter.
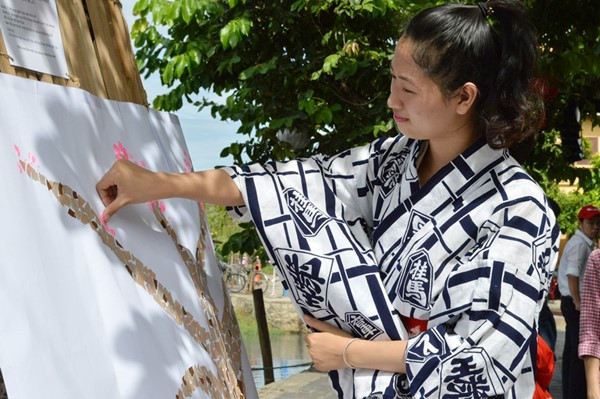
x: 420, y: 109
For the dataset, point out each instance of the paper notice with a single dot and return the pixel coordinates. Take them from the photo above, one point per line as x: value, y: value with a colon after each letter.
x: 31, y: 33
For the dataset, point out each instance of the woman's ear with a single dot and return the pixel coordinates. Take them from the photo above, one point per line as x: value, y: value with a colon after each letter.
x: 466, y: 97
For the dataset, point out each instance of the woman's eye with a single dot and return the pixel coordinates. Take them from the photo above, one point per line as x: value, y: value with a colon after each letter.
x: 408, y: 91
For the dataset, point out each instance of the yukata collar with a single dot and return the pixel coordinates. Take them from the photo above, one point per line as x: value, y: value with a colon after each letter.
x: 448, y: 184
x: 472, y: 161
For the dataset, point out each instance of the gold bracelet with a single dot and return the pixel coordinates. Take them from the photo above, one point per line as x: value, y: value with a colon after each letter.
x: 344, y: 354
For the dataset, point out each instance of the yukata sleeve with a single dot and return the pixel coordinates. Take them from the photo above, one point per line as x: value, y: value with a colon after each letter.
x: 589, y: 335
x: 482, y: 328
x: 349, y: 177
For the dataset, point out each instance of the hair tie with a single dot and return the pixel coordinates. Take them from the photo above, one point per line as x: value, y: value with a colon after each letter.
x: 485, y: 10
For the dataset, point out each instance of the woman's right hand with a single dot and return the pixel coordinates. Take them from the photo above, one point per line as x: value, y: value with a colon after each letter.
x: 126, y: 183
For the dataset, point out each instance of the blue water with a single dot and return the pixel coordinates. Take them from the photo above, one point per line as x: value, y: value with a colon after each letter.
x: 289, y: 356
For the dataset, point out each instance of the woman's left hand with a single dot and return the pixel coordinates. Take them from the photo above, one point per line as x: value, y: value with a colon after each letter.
x: 326, y: 346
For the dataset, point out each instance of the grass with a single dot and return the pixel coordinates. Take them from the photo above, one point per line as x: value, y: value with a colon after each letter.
x: 249, y: 328
x: 268, y: 270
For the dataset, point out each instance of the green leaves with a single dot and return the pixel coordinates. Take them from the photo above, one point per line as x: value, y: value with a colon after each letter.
x: 188, y: 8
x: 321, y: 111
x: 231, y: 34
x: 140, y: 7
x: 244, y: 242
x: 260, y: 69
x: 175, y: 68
x: 330, y: 63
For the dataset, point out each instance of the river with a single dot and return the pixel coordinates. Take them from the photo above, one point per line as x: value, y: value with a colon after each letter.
x: 289, y: 356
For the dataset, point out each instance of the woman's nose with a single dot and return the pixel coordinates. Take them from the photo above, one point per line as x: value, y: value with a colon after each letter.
x: 393, y: 101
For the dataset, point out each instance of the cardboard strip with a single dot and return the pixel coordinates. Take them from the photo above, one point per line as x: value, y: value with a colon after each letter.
x: 211, y: 340
x: 232, y: 342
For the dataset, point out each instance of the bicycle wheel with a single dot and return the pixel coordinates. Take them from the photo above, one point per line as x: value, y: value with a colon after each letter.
x: 235, y: 282
x: 261, y: 281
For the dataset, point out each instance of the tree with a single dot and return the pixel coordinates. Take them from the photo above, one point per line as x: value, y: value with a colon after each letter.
x: 570, y: 66
x: 308, y: 76
x: 231, y: 237
x: 221, y: 225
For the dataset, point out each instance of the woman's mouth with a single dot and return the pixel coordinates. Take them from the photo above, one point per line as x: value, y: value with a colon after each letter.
x: 399, y: 119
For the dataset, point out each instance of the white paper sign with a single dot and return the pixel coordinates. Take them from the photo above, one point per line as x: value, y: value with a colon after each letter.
x: 31, y: 33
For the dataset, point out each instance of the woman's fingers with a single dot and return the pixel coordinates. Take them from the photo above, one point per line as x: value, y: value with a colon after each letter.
x: 107, y: 187
x: 326, y: 350
x: 124, y: 183
x: 325, y: 346
x: 113, y: 207
x: 324, y: 327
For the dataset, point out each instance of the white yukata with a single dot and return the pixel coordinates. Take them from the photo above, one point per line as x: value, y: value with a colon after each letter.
x: 361, y: 245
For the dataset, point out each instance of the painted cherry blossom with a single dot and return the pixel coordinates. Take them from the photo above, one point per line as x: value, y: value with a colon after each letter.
x: 120, y: 151
x: 30, y: 160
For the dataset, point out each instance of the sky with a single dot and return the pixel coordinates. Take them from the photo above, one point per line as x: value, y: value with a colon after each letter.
x: 205, y: 136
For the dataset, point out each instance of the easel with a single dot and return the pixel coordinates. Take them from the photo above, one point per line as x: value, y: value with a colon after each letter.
x: 99, y: 56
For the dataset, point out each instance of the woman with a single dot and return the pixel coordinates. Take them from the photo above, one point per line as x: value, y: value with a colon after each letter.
x: 589, y: 334
x: 434, y: 248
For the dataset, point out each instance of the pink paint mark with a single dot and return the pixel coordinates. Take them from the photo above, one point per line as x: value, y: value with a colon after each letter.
x: 120, y: 151
x: 161, y: 206
x: 30, y: 160
x: 110, y: 231
x: 201, y: 204
x: 187, y: 163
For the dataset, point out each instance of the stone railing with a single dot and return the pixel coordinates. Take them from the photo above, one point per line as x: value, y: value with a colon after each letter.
x: 280, y: 312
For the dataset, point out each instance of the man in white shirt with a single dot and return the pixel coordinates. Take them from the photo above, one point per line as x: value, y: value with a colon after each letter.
x: 570, y: 273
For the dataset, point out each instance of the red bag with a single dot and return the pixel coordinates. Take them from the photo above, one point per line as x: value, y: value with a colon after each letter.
x: 544, y: 370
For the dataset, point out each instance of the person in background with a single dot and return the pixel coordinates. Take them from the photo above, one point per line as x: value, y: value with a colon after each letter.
x: 589, y: 334
x: 571, y: 268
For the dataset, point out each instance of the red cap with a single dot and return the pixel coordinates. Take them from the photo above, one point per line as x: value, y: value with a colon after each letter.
x: 588, y: 212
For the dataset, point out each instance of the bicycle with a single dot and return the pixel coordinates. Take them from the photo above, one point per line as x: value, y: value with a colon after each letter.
x: 236, y: 281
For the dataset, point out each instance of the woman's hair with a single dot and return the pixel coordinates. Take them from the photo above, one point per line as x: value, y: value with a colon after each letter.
x: 494, y: 46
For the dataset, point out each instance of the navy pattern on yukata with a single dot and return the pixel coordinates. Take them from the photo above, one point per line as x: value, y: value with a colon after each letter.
x: 359, y: 243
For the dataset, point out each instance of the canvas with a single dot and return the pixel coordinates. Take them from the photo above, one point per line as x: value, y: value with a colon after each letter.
x: 132, y: 309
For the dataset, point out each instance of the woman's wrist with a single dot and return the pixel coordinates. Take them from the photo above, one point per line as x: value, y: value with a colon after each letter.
x: 345, y: 354
x: 376, y: 355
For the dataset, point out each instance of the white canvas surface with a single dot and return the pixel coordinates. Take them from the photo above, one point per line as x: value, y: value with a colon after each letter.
x: 74, y: 321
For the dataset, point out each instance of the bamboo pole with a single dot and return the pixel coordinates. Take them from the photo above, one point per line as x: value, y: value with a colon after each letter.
x: 80, y: 54
x: 112, y: 52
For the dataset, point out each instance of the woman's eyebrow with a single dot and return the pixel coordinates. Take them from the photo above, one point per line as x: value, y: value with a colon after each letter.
x: 401, y: 77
